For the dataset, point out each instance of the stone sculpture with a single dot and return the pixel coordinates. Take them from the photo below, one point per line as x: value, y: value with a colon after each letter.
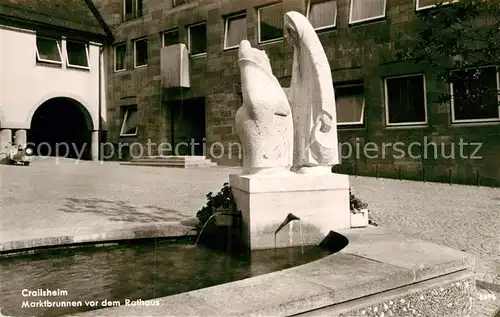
x: 312, y: 99
x: 264, y: 122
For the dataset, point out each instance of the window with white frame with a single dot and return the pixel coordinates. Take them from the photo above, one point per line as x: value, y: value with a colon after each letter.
x: 322, y: 14
x: 365, y: 10
x: 77, y: 54
x: 475, y: 95
x: 129, y: 123
x: 350, y: 104
x: 405, y: 100
x: 270, y: 22
x: 132, y: 9
x: 171, y: 37
x: 120, y: 54
x: 427, y: 4
x: 235, y: 30
x: 140, y: 52
x: 197, y: 39
x: 48, y: 50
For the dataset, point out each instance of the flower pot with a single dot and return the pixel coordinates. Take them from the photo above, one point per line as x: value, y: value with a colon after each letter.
x: 359, y: 218
x: 223, y: 220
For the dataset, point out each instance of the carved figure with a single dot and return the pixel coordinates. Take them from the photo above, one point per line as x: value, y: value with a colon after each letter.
x: 264, y: 122
x: 311, y: 97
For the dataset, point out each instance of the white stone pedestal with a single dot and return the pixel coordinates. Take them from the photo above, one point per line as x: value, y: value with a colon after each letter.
x: 320, y: 201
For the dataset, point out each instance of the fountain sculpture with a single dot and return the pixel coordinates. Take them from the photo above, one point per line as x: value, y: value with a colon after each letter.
x: 289, y: 140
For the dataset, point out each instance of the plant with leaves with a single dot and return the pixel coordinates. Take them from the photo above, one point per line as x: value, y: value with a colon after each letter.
x: 457, y: 40
x: 355, y: 203
x: 222, y: 201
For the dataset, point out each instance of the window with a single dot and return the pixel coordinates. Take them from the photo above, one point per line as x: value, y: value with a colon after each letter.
x: 350, y: 104
x: 475, y: 95
x: 322, y: 13
x: 77, y: 54
x: 197, y: 39
x: 48, y: 50
x: 171, y: 37
x: 365, y: 10
x: 270, y: 22
x: 236, y: 30
x: 120, y: 53
x: 132, y: 9
x: 427, y: 4
x: 405, y: 100
x: 140, y: 53
x: 129, y: 124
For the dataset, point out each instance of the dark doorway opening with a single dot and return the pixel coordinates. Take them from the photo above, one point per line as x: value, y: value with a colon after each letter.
x: 61, y: 127
x: 188, y: 127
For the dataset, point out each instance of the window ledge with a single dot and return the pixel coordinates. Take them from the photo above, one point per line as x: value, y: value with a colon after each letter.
x: 132, y: 19
x: 351, y: 126
x: 407, y: 126
x: 127, y: 135
x: 324, y: 29
x: 367, y: 21
x: 141, y: 66
x: 78, y: 68
x: 273, y: 41
x: 119, y: 70
x: 231, y: 48
x: 48, y: 64
x: 200, y: 55
x: 478, y: 123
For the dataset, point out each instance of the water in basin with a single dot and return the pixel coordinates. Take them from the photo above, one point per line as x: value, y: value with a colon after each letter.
x: 140, y: 271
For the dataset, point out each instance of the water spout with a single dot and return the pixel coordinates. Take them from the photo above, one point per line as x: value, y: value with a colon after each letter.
x: 288, y: 220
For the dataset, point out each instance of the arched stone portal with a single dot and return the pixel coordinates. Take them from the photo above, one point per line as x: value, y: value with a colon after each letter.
x: 61, y: 127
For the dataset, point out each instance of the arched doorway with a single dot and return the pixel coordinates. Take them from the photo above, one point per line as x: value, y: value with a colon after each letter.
x: 61, y: 127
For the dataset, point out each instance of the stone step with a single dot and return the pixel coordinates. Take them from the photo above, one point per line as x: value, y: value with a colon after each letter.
x: 171, y: 159
x: 198, y: 161
x: 171, y: 164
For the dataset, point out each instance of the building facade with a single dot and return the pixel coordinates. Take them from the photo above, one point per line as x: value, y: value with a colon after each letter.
x: 52, y: 77
x: 390, y: 122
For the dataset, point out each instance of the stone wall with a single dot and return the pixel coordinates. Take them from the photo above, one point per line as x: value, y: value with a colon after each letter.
x: 362, y: 53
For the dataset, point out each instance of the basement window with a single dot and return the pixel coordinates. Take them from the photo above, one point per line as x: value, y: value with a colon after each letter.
x: 129, y: 124
x: 48, y: 50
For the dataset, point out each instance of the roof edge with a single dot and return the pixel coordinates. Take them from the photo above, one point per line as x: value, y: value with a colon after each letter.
x: 23, y: 23
x: 110, y: 37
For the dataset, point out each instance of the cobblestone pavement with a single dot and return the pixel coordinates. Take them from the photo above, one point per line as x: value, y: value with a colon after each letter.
x: 46, y: 195
x: 462, y: 217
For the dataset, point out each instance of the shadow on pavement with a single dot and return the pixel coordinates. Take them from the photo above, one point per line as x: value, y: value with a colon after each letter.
x: 117, y: 210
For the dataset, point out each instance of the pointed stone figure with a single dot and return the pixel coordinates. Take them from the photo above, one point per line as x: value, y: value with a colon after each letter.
x: 264, y: 121
x: 312, y: 99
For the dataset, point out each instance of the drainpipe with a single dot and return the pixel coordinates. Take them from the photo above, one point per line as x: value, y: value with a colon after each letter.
x: 99, y: 103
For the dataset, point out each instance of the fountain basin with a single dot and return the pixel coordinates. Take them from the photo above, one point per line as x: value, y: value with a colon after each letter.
x: 127, y: 275
x: 378, y: 271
